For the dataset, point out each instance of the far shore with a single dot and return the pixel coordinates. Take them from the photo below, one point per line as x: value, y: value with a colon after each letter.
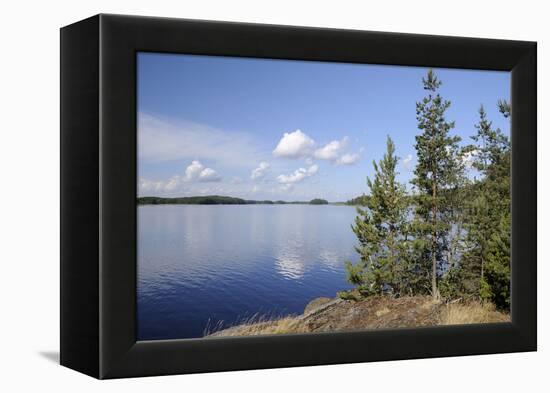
x: 227, y: 200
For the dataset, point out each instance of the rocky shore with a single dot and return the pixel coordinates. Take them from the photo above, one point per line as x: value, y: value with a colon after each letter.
x: 330, y: 315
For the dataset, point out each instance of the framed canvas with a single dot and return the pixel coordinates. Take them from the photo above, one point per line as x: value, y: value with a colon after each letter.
x: 239, y: 196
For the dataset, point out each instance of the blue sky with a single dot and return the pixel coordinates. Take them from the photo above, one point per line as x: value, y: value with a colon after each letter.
x: 290, y: 130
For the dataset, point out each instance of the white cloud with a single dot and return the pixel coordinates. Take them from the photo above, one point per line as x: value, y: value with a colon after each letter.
x: 331, y: 150
x: 146, y: 185
x: 407, y: 161
x: 197, y: 172
x: 298, y: 145
x: 348, y: 159
x: 161, y: 139
x: 193, y: 170
x: 298, y: 175
x: 294, y: 145
x: 260, y: 171
x: 208, y: 174
x: 469, y: 157
x: 172, y: 183
x: 194, y: 173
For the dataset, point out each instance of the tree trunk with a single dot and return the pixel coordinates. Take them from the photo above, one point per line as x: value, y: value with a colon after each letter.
x: 435, y: 292
x: 482, y: 267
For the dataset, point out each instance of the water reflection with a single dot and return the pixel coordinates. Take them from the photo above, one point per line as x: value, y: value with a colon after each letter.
x: 291, y: 266
x: 333, y: 259
x: 197, y: 263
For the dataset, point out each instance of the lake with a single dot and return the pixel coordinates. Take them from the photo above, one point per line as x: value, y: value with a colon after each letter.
x: 202, y: 267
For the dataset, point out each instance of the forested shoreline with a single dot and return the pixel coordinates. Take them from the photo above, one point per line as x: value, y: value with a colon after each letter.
x: 450, y: 236
x: 221, y: 200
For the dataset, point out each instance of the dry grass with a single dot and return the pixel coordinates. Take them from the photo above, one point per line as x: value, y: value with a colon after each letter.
x: 429, y: 303
x: 473, y: 312
x: 372, y: 313
x: 382, y: 312
x: 285, y: 325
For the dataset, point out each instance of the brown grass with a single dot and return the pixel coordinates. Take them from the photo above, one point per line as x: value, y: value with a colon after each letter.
x: 284, y: 325
x: 371, y: 313
x: 473, y: 312
x: 382, y: 312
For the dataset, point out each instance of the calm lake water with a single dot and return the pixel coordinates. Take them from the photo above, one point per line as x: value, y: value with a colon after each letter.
x: 200, y: 266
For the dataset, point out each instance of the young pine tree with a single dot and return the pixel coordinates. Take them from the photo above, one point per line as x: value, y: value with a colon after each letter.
x: 497, y: 275
x: 489, y: 229
x: 381, y: 229
x: 479, y: 221
x: 504, y: 108
x: 485, y: 267
x: 438, y: 172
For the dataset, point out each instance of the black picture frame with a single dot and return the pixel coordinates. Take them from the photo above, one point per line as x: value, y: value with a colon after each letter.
x: 98, y: 195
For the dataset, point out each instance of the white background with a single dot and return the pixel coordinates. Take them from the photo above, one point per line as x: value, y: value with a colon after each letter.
x: 29, y: 194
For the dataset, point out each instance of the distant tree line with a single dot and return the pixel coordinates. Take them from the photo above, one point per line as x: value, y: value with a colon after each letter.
x: 358, y: 201
x: 220, y: 200
x: 450, y: 237
x: 194, y: 200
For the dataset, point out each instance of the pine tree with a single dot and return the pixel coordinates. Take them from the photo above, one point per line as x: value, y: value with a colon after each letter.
x: 381, y: 229
x: 497, y: 276
x: 437, y: 175
x: 505, y: 108
x: 474, y: 260
x: 479, y: 220
x: 497, y: 272
x: 485, y: 268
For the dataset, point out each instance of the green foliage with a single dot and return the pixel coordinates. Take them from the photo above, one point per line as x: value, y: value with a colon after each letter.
x: 456, y: 242
x: 450, y: 283
x: 381, y: 230
x: 438, y: 174
x: 349, y: 295
x: 497, y: 274
x: 486, y: 267
x: 504, y: 108
x: 318, y: 201
x: 358, y: 201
